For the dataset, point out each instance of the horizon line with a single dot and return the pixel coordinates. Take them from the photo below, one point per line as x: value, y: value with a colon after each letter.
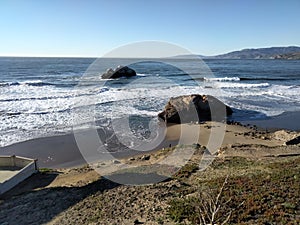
x: 85, y: 56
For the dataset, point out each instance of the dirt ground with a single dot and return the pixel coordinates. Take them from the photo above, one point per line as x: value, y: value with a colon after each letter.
x: 84, y: 196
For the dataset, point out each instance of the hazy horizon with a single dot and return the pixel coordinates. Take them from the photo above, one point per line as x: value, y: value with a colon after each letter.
x: 84, y: 56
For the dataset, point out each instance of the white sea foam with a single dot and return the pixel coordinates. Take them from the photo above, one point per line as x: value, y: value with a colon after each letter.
x: 240, y: 85
x: 32, y: 110
x: 141, y: 74
x: 28, y: 82
x: 221, y: 79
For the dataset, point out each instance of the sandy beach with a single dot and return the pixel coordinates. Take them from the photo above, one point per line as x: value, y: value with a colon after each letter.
x: 62, y: 151
x: 83, y: 196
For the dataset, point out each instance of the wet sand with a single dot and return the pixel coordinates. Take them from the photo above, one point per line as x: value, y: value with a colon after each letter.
x: 63, y: 151
x: 287, y: 121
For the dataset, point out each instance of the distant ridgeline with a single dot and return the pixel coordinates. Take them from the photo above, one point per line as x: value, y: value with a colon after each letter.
x: 292, y: 52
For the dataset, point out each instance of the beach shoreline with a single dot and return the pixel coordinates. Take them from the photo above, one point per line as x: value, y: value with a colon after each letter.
x: 62, y: 151
x: 68, y: 190
x: 289, y: 120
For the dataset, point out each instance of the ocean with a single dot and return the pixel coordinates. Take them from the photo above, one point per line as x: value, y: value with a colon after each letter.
x: 40, y: 96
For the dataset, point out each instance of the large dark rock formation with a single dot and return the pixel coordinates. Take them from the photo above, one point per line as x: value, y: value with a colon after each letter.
x: 294, y: 141
x: 194, y: 108
x: 120, y: 71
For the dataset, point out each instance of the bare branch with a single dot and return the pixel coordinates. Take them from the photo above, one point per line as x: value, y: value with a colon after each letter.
x: 209, y: 206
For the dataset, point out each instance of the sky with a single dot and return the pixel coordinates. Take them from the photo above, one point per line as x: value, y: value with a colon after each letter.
x: 93, y: 28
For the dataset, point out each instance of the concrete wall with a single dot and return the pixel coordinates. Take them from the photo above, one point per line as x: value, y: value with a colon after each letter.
x: 27, y: 168
x: 7, y: 161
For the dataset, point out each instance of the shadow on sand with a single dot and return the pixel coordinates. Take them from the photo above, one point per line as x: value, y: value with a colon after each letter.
x: 41, y: 206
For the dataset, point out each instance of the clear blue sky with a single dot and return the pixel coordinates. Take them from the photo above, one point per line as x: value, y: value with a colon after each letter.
x: 94, y: 27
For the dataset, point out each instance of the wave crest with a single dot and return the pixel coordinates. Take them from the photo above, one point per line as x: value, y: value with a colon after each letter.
x: 222, y: 79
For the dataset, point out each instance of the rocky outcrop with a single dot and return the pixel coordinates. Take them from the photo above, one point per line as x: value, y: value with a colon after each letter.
x: 288, y: 137
x: 294, y: 141
x: 283, y: 135
x: 290, y: 56
x: 194, y: 108
x: 120, y: 71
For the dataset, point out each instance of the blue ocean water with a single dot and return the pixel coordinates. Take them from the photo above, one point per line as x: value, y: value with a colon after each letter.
x: 38, y: 96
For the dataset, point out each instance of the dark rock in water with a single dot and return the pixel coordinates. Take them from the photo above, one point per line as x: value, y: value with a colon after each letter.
x: 194, y: 108
x: 120, y: 71
x: 294, y: 141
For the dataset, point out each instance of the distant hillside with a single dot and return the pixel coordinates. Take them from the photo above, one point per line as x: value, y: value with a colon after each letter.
x: 260, y: 53
x: 191, y: 56
x: 295, y: 55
